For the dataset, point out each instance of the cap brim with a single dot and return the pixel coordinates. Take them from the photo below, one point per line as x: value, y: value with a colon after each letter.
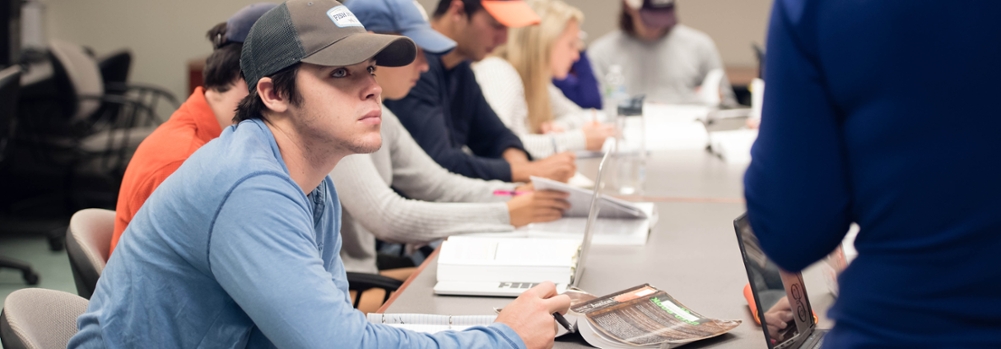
x: 430, y: 40
x: 659, y: 18
x: 388, y: 50
x: 512, y: 14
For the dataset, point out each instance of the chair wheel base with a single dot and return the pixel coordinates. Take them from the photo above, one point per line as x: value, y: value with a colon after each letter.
x: 30, y: 277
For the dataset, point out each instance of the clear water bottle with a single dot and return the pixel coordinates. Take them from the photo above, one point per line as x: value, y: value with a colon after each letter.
x: 630, y: 147
x: 615, y: 91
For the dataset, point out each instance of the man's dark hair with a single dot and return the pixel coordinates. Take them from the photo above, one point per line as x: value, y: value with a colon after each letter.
x: 626, y: 22
x: 223, y: 65
x: 471, y: 7
x: 251, y: 107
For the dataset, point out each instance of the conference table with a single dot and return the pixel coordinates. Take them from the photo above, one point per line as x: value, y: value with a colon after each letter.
x: 691, y: 253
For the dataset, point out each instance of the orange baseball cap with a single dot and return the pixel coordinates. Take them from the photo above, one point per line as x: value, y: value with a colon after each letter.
x: 511, y: 13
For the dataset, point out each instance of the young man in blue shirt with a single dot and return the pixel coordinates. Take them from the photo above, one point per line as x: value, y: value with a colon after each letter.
x: 446, y: 112
x: 239, y: 247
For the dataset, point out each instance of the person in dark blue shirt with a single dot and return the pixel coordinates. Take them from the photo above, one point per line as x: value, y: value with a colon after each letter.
x: 881, y: 113
x: 446, y: 112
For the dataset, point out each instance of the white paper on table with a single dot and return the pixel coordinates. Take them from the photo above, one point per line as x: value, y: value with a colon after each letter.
x: 733, y: 146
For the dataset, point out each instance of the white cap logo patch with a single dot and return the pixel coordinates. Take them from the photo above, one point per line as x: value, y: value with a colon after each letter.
x: 343, y: 17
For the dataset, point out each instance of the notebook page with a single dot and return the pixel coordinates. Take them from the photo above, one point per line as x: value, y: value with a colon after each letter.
x: 431, y: 323
x: 580, y: 201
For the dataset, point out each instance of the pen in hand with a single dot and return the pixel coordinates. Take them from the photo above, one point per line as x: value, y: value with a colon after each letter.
x: 563, y: 322
x: 559, y: 319
x: 500, y: 192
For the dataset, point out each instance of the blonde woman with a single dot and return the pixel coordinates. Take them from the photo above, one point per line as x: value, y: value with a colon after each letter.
x: 517, y: 83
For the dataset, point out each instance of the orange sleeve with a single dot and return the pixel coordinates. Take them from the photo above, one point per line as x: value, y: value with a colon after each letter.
x: 131, y: 198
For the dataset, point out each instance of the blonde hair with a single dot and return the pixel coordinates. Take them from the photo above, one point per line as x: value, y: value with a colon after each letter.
x: 529, y: 48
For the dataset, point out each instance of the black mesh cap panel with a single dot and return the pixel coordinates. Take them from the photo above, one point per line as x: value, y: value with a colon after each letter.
x: 271, y: 46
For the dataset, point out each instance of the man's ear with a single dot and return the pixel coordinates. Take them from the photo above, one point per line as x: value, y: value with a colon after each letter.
x: 271, y: 98
x: 457, y: 9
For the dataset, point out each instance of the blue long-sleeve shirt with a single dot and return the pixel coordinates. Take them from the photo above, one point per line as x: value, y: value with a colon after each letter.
x: 446, y: 111
x: 230, y: 253
x: 884, y: 113
x: 580, y: 86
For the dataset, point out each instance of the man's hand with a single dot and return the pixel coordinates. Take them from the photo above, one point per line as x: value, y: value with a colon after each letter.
x: 777, y: 318
x: 539, y: 206
x: 595, y: 134
x: 559, y: 167
x: 531, y: 315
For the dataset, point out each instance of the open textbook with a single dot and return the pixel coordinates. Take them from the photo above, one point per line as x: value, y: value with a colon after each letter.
x: 607, y: 231
x: 641, y: 316
x: 472, y: 265
x: 580, y: 201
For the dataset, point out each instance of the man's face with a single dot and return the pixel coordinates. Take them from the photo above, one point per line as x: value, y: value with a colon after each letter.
x: 396, y: 82
x: 340, y: 109
x: 479, y: 35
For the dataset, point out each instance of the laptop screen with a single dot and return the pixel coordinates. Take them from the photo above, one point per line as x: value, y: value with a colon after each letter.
x: 770, y: 294
x: 592, y: 215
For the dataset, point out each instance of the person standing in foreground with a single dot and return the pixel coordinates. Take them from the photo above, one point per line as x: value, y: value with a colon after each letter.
x: 200, y: 119
x: 446, y: 112
x: 239, y: 247
x: 873, y: 116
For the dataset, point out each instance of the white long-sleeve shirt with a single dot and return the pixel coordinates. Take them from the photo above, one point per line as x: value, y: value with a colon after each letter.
x: 440, y: 203
x: 503, y: 89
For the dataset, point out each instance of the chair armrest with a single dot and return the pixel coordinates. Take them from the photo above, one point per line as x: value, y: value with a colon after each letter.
x: 364, y: 281
x: 361, y: 282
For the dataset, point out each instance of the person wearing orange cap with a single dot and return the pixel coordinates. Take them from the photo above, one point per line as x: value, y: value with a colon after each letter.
x: 446, y: 112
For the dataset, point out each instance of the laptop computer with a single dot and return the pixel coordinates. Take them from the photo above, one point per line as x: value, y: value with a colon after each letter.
x: 769, y: 286
x: 513, y: 288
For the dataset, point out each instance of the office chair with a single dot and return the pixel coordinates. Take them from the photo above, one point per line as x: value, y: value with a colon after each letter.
x: 361, y: 282
x: 115, y: 68
x: 36, y: 318
x: 9, y: 82
x: 73, y: 128
x: 88, y: 239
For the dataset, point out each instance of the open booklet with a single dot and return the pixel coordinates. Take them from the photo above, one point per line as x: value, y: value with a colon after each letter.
x: 607, y: 231
x: 580, y: 201
x: 641, y: 316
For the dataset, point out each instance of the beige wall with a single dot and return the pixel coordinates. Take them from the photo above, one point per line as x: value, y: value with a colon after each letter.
x: 733, y: 24
x: 164, y: 35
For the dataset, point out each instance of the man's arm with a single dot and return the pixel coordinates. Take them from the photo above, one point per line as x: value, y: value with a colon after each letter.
x: 131, y: 199
x: 488, y: 136
x: 711, y: 60
x: 419, y: 177
x: 797, y: 185
x: 394, y: 218
x: 422, y: 112
x: 264, y: 254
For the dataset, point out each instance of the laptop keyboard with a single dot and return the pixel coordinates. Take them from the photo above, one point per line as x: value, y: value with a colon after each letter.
x: 518, y: 285
x: 818, y: 338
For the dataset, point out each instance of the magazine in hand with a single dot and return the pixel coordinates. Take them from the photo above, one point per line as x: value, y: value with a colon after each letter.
x: 638, y: 317
x: 641, y: 316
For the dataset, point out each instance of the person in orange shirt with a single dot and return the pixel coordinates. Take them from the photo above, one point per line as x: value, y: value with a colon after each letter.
x: 200, y: 119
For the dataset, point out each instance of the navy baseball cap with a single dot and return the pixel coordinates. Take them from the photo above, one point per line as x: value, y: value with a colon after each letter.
x: 406, y: 17
x: 655, y: 13
x: 238, y: 26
